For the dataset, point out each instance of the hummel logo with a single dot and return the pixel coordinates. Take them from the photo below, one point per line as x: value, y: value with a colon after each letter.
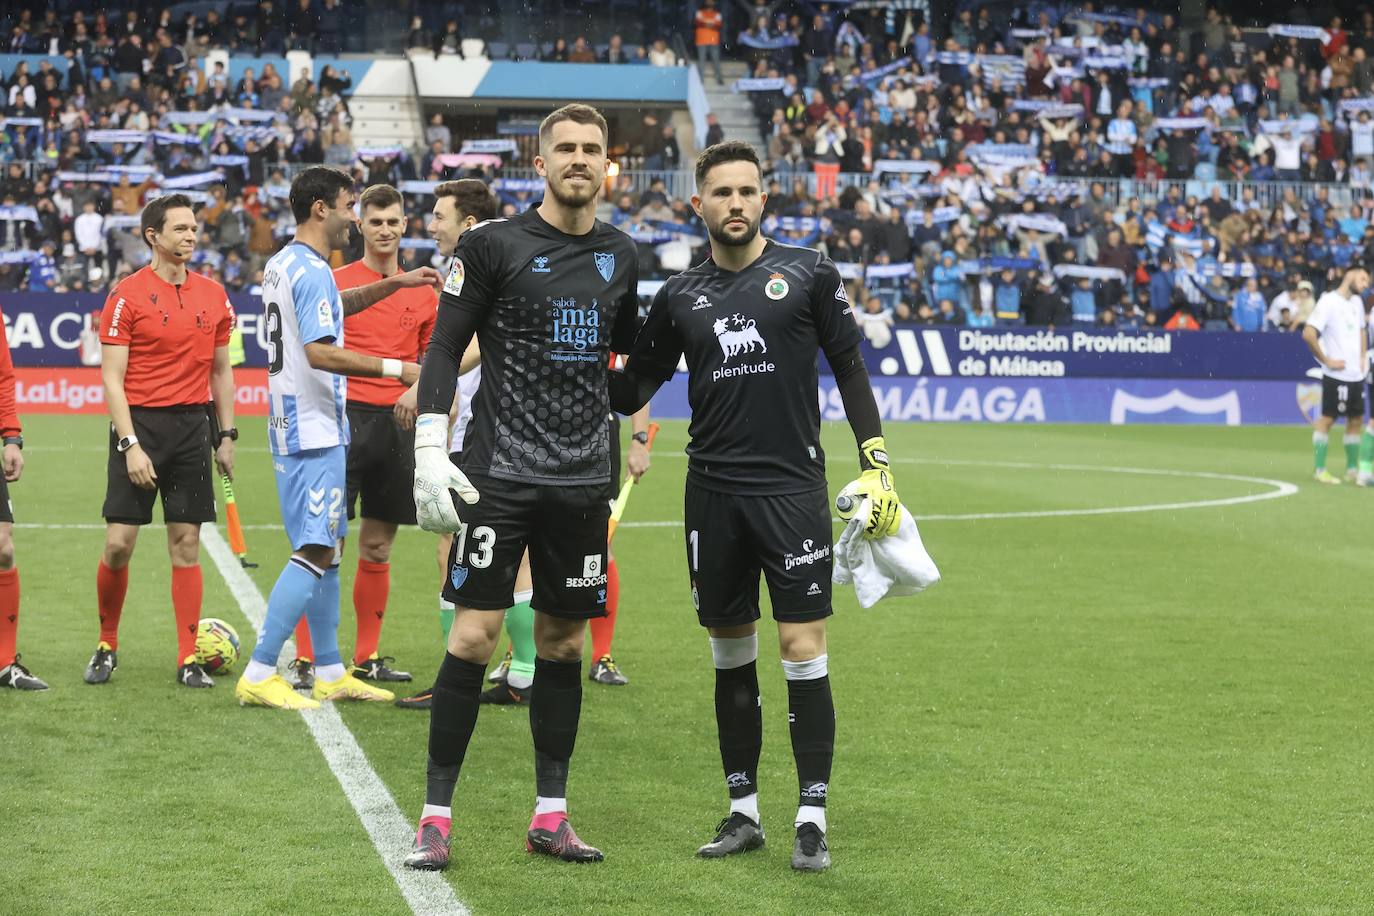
x: 541, y: 266
x: 701, y: 303
x: 316, y: 501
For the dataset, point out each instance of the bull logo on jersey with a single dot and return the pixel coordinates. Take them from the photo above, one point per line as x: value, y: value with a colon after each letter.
x: 737, y: 335
x: 605, y: 264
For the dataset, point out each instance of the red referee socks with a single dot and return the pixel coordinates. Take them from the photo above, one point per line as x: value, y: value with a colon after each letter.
x: 371, y: 586
x: 9, y: 614
x: 187, y: 587
x: 110, y: 587
x: 304, y: 648
x: 603, y: 628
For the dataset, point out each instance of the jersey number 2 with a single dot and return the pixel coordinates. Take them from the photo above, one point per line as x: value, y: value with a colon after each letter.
x: 275, y: 356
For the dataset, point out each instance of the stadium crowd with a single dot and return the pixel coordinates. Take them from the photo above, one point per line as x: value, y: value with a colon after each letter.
x: 1043, y: 165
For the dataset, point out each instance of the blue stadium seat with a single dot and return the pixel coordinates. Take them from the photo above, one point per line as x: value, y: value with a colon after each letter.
x: 498, y: 50
x: 526, y: 50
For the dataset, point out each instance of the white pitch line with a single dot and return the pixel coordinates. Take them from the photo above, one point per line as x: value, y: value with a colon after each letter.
x: 390, y: 832
x: 1279, y: 490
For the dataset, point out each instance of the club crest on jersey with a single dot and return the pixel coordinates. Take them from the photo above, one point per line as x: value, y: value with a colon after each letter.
x: 541, y: 265
x: 458, y: 576
x: 776, y: 288
x: 454, y: 284
x: 605, y: 264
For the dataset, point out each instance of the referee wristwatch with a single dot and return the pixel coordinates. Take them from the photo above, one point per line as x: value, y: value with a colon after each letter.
x: 232, y: 434
x: 125, y: 443
x: 15, y: 440
x: 641, y: 437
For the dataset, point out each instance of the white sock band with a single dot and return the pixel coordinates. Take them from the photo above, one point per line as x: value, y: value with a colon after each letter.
x: 330, y: 673
x: 748, y: 806
x: 436, y: 811
x: 808, y: 670
x: 734, y: 653
x: 522, y: 597
x: 1352, y: 438
x: 550, y: 805
x: 445, y: 604
x: 1319, y: 437
x: 811, y: 814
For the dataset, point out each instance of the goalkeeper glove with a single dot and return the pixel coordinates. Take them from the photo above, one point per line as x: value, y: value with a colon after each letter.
x: 875, y: 484
x: 436, y: 479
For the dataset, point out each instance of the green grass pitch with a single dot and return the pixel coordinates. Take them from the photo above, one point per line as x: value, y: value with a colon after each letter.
x: 1163, y: 711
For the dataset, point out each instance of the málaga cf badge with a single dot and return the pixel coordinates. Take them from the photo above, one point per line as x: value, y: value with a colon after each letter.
x: 605, y: 264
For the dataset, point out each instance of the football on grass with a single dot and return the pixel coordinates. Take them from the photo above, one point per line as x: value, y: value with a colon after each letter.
x: 217, y: 645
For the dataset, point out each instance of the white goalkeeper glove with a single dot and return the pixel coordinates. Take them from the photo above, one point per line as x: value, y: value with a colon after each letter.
x: 436, y: 479
x: 875, y: 485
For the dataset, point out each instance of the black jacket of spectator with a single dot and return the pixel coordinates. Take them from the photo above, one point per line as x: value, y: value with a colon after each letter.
x: 1045, y: 306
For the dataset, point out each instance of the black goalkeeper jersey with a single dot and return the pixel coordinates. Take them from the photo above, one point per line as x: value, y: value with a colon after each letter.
x: 553, y: 306
x: 751, y: 340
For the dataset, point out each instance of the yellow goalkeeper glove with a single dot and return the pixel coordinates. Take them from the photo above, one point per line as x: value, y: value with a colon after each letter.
x: 876, y: 485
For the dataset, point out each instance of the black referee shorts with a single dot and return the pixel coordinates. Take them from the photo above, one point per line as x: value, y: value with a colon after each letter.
x: 1342, y: 399
x: 6, y: 507
x: 381, y: 465
x: 177, y: 439
x: 564, y: 528
x: 732, y: 538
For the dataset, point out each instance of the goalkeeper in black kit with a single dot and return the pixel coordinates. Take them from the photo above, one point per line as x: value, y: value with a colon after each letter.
x: 548, y: 293
x: 750, y: 321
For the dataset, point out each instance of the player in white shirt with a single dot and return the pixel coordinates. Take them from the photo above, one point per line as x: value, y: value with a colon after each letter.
x: 308, y: 434
x: 1335, y: 333
x: 1366, y: 475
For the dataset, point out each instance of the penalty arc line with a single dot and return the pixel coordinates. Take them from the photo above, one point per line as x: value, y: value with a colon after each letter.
x: 391, y: 834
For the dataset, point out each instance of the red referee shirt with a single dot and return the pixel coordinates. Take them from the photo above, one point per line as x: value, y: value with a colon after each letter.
x: 398, y: 327
x: 171, y: 332
x: 9, y: 410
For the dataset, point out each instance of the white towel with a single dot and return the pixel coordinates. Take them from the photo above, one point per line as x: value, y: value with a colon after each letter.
x: 890, y: 567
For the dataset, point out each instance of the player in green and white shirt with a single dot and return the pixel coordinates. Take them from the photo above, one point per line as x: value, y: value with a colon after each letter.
x: 1335, y: 333
x: 1366, y: 476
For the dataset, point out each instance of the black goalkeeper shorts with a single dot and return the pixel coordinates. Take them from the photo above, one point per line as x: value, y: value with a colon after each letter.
x: 6, y: 507
x: 732, y: 538
x: 564, y: 528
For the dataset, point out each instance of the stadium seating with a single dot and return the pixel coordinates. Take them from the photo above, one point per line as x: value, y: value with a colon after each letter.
x: 1051, y: 126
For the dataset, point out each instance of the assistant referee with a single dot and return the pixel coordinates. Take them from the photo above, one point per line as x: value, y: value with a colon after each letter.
x: 164, y: 337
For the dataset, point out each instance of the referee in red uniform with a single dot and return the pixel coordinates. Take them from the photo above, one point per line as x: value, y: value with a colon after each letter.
x: 381, y: 418
x: 165, y: 351
x: 12, y: 674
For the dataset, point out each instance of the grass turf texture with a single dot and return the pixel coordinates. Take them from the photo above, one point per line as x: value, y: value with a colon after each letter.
x: 1158, y: 712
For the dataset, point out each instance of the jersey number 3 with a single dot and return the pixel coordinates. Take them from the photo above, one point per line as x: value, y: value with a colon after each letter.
x: 275, y: 356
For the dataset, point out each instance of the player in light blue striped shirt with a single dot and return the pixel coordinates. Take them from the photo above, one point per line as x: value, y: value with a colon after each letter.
x: 308, y: 434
